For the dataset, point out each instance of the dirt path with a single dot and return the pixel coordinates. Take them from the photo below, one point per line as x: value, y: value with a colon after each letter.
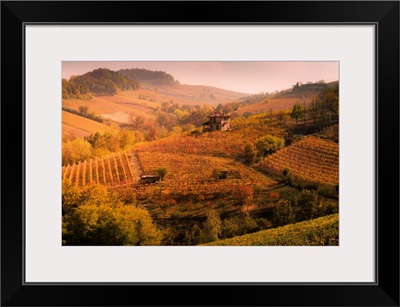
x: 136, y: 168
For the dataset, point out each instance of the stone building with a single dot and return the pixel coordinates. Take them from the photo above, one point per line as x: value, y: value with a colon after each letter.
x: 217, y: 121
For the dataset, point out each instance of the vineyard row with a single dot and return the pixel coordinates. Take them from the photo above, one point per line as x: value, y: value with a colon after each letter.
x: 109, y: 170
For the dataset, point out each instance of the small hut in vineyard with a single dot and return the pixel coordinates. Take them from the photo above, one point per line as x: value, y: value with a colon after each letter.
x: 217, y: 121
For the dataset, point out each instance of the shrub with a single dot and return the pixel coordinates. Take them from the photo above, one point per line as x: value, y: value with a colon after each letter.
x: 307, y: 205
x: 329, y: 207
x: 327, y: 191
x: 99, y: 218
x: 268, y: 144
x: 220, y: 174
x: 162, y: 171
x: 250, y: 153
x: 290, y: 194
x: 212, y: 226
x: 239, y: 224
x: 283, y: 213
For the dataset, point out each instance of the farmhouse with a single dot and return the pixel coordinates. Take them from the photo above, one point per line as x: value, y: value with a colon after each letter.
x: 217, y: 121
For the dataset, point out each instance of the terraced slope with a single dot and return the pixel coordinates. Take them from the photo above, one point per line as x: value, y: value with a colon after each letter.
x: 311, y: 159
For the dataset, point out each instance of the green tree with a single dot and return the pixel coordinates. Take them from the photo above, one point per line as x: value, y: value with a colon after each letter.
x: 76, y: 150
x: 330, y: 99
x: 288, y: 176
x: 176, y: 130
x: 297, y: 112
x: 283, y: 213
x: 109, y: 141
x: 307, y: 205
x: 230, y: 227
x: 97, y: 194
x: 194, y: 235
x: 328, y: 106
x: 328, y: 207
x: 281, y: 116
x: 126, y: 138
x: 268, y: 144
x: 90, y: 224
x: 250, y: 153
x: 313, y: 110
x: 212, y: 226
x: 136, y: 227
x: 65, y: 93
x: 247, y: 223
x: 99, y: 218
x: 162, y: 171
x: 71, y: 197
x: 238, y: 225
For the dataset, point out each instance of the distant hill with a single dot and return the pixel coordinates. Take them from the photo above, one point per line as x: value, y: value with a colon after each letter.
x: 99, y: 82
x: 148, y: 76
x: 165, y: 84
x: 197, y: 94
x: 286, y: 99
x: 278, y: 103
x: 143, y: 102
x: 333, y: 84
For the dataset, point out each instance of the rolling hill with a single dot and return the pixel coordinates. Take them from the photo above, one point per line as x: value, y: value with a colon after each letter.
x: 197, y: 94
x: 209, y: 172
x: 286, y: 99
x: 78, y: 126
x: 281, y: 103
x: 165, y: 84
x: 96, y: 83
x: 321, y: 231
x: 116, y: 96
x: 148, y: 76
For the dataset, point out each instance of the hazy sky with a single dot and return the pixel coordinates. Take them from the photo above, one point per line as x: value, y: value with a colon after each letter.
x: 247, y: 77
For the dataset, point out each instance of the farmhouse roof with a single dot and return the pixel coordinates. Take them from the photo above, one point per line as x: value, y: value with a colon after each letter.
x: 149, y: 176
x: 217, y: 114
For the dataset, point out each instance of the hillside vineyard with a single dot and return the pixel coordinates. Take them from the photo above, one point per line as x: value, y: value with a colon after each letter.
x: 150, y: 160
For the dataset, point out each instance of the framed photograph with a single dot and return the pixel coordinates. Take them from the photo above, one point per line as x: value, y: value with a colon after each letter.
x: 200, y: 148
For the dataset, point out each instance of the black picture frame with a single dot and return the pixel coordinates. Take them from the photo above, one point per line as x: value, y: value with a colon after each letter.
x: 383, y: 14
